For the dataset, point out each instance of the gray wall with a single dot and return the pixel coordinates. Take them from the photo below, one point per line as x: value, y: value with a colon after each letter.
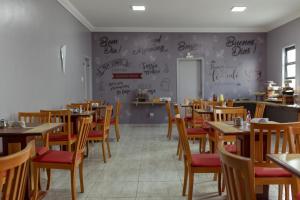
x: 286, y: 35
x: 31, y: 33
x: 228, y: 71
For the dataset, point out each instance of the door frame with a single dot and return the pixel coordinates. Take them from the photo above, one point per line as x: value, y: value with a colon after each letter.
x: 88, y: 73
x: 202, y: 72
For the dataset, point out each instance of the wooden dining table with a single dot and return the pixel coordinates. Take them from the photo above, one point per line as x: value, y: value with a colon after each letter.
x: 291, y: 163
x: 21, y: 136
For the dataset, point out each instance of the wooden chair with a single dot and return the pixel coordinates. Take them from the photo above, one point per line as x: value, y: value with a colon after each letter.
x: 171, y: 120
x: 229, y: 102
x: 192, y: 134
x: 266, y: 139
x: 226, y: 114
x: 294, y: 147
x: 196, y: 163
x: 14, y: 173
x: 103, y: 135
x: 83, y: 106
x: 65, y: 136
x: 238, y: 175
x: 115, y: 120
x: 259, y: 110
x: 42, y: 143
x: 64, y: 160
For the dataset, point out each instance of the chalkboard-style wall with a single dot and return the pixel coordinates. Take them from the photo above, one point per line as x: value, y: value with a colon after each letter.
x: 234, y: 65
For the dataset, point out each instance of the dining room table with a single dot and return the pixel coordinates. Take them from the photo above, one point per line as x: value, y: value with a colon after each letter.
x: 291, y: 163
x: 22, y: 135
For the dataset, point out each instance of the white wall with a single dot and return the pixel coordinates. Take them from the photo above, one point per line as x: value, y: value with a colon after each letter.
x: 31, y: 33
x: 278, y: 39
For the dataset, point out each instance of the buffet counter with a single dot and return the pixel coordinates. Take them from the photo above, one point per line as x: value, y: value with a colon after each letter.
x: 274, y: 111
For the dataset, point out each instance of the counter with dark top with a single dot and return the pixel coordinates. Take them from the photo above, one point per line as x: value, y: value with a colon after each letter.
x: 274, y: 111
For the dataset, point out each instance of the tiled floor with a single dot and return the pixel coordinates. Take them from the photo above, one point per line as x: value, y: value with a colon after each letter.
x: 143, y: 166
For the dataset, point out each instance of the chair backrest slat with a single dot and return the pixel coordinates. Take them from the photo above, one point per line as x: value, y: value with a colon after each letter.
x: 259, y: 110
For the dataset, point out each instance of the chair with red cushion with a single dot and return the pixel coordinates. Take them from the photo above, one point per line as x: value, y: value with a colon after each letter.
x: 265, y: 139
x: 192, y: 134
x: 196, y: 163
x: 65, y: 160
x: 238, y: 175
x: 226, y: 114
x: 115, y: 120
x: 14, y: 173
x: 63, y: 136
x: 102, y: 135
x: 42, y: 142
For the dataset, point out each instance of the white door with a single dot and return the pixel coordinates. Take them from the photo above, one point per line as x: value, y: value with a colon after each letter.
x: 189, y: 79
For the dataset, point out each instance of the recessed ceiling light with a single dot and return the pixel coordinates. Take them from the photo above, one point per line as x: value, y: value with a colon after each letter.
x: 238, y: 9
x: 138, y: 8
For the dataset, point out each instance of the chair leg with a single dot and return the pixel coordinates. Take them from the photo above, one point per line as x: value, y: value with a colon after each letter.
x: 81, y: 177
x: 73, y: 184
x: 185, y: 178
x: 287, y: 191
x: 191, y: 185
x: 177, y: 153
x: 48, y: 178
x: 117, y: 131
x: 280, y: 191
x: 69, y: 147
x: 108, y: 147
x: 103, y: 151
x: 169, y: 131
x: 220, y: 181
x: 180, y: 153
x: 223, y: 184
x: 36, y: 179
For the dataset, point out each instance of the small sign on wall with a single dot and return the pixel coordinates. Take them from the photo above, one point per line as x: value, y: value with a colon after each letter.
x: 63, y: 53
x: 127, y: 76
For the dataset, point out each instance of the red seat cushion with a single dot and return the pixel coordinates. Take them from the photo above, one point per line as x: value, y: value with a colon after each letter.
x: 195, y: 131
x: 55, y: 157
x: 206, y: 160
x: 298, y: 196
x: 188, y: 118
x: 95, y: 134
x: 231, y: 148
x: 41, y: 150
x: 271, y: 172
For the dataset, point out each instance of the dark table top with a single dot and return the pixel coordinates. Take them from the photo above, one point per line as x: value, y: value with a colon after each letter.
x: 30, y: 129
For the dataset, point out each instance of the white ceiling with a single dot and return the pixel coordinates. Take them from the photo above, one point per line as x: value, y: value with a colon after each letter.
x: 183, y: 15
